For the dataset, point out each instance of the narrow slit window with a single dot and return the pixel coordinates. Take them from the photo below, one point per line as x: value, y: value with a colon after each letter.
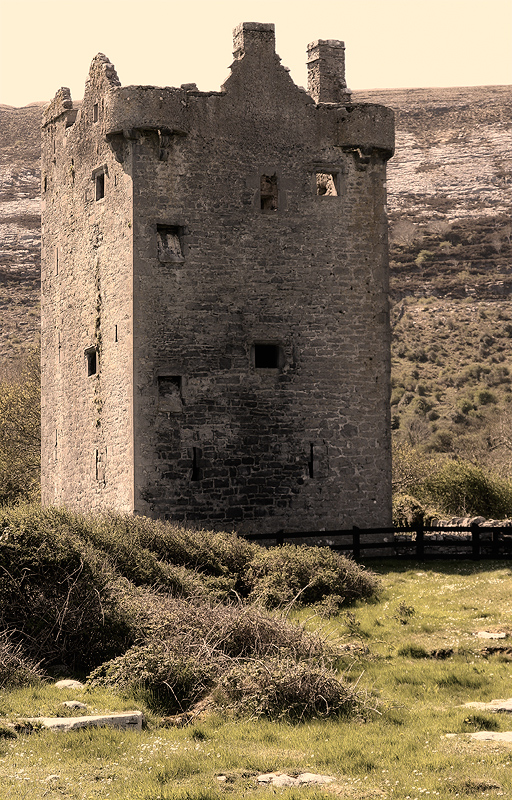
x: 326, y: 184
x: 196, y: 470
x: 170, y: 243
x: 91, y: 358
x: 269, y: 193
x: 311, y: 462
x: 95, y: 112
x: 266, y: 356
x: 100, y: 185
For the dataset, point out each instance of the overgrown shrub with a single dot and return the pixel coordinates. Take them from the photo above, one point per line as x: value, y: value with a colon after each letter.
x: 169, y: 681
x: 280, y: 575
x: 288, y: 689
x: 55, y: 591
x: 197, y: 643
x: 15, y: 669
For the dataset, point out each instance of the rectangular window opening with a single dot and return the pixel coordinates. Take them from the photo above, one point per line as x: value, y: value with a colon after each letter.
x: 99, y: 183
x: 326, y: 184
x: 115, y: 334
x: 170, y: 397
x: 266, y: 356
x: 170, y: 243
x: 91, y: 357
x: 269, y: 193
x: 95, y: 112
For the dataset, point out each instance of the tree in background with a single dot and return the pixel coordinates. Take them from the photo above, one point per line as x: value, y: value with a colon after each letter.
x: 20, y: 433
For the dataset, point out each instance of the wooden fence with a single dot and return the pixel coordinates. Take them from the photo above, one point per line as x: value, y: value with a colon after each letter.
x: 418, y: 542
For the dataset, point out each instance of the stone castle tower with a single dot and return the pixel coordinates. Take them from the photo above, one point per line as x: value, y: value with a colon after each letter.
x: 215, y: 329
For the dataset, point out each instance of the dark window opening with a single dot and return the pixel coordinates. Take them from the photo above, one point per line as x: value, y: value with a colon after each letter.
x: 100, y: 185
x: 45, y: 184
x: 115, y: 334
x: 196, y: 471
x: 91, y: 357
x: 170, y: 243
x: 326, y: 184
x: 95, y: 112
x: 56, y: 260
x: 266, y: 356
x: 268, y: 193
x: 311, y: 462
x: 170, y: 396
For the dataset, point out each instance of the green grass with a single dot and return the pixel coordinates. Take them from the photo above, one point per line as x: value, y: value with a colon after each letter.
x: 422, y: 666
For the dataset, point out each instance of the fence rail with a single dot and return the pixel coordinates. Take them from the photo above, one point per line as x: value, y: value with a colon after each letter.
x: 419, y: 542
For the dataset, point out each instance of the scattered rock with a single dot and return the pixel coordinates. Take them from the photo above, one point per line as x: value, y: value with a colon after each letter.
x: 492, y: 736
x: 491, y: 635
x: 69, y: 684
x: 496, y: 706
x: 305, y: 779
x: 73, y: 704
x: 130, y: 720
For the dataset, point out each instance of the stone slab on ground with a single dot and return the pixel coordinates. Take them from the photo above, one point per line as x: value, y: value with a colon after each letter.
x: 69, y: 684
x: 492, y: 635
x: 129, y: 720
x: 305, y: 779
x: 492, y: 736
x: 496, y: 706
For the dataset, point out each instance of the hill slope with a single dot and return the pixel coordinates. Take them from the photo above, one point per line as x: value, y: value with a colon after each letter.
x: 450, y: 204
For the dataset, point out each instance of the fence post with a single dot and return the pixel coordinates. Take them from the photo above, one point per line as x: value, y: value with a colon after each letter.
x: 495, y: 546
x: 475, y: 542
x: 356, y: 543
x: 420, y: 544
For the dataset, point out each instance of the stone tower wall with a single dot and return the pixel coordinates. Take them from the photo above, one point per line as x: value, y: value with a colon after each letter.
x: 255, y: 301
x: 87, y: 425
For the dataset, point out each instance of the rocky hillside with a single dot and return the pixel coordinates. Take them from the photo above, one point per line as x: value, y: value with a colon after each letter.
x: 449, y: 188
x: 20, y: 241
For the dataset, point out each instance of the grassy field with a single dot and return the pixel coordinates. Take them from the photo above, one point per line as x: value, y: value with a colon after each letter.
x: 416, y: 653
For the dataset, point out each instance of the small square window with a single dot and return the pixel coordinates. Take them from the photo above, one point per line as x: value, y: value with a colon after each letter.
x: 91, y: 357
x: 267, y: 356
x: 170, y: 398
x: 170, y: 243
x: 326, y: 184
x: 99, y: 183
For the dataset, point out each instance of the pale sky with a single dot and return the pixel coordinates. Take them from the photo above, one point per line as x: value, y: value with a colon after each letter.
x: 46, y: 44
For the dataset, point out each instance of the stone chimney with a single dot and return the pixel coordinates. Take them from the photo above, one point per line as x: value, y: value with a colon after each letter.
x: 326, y: 71
x: 254, y: 38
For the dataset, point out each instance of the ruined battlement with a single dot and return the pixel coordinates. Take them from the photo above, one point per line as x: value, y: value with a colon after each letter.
x: 215, y: 327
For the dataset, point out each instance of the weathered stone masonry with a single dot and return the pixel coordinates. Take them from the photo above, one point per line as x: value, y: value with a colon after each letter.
x: 215, y: 316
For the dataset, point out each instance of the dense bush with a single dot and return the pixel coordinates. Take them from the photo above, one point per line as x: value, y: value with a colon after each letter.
x: 56, y: 592
x: 280, y: 575
x: 281, y: 688
x: 80, y: 591
x: 459, y: 487
x: 20, y: 433
x: 239, y: 655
